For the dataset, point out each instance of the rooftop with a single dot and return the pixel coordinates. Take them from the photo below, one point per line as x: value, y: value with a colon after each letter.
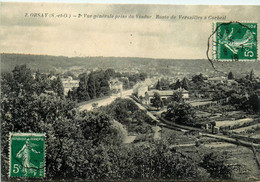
x: 166, y: 92
x: 161, y: 92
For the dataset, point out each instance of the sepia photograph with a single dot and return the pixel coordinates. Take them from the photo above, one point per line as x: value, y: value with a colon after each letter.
x: 129, y: 92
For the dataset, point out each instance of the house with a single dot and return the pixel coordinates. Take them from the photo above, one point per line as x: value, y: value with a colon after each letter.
x: 164, y: 94
x: 69, y: 83
x: 149, y: 95
x: 116, y: 87
x: 53, y: 77
x: 203, y: 103
x: 217, y: 80
x: 185, y: 93
x: 141, y: 87
x: 140, y: 90
x: 232, y: 83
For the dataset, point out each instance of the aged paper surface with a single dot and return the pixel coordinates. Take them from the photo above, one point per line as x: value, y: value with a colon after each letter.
x: 130, y: 92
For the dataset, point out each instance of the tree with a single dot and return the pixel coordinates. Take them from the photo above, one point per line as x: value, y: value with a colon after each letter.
x: 198, y: 78
x: 185, y: 83
x: 254, y: 103
x: 172, y: 86
x: 101, y: 83
x: 82, y: 90
x: 230, y: 76
x: 125, y: 81
x: 91, y: 86
x: 105, y: 90
x: 22, y: 81
x: 177, y: 96
x: 69, y: 74
x: 181, y: 112
x: 120, y: 109
x: 42, y: 82
x: 57, y: 86
x: 99, y: 127
x: 157, y: 102
x: 177, y: 84
x: 158, y: 85
x: 155, y: 161
x: 110, y: 73
x: 143, y: 76
x: 252, y: 75
x: 60, y: 88
x: 214, y: 163
x: 237, y: 100
x: 72, y: 94
x: 7, y: 85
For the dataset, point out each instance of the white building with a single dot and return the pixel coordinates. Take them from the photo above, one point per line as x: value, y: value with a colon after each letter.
x: 116, y: 87
x: 69, y: 83
x: 217, y: 80
x: 164, y: 94
x: 140, y: 90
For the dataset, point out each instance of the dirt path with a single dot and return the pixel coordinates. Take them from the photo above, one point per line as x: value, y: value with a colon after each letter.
x: 156, y: 130
x: 129, y: 139
x: 230, y: 140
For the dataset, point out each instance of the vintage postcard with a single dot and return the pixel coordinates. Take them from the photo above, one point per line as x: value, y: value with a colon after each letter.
x: 130, y: 92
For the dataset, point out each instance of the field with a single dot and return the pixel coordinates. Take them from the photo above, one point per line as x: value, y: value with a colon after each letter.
x: 246, y: 129
x: 240, y: 159
x: 233, y: 123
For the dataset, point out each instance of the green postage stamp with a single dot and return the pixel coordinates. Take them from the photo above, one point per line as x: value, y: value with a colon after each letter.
x: 234, y: 41
x: 27, y: 155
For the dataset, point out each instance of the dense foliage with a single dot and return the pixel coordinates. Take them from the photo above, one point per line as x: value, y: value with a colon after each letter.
x: 127, y: 113
x: 157, y: 101
x: 87, y: 145
x: 243, y: 93
x: 215, y: 164
x: 91, y: 86
x: 180, y: 112
x: 71, y: 137
x: 96, y: 84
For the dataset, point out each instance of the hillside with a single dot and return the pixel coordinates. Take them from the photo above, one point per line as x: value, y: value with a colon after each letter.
x: 46, y: 63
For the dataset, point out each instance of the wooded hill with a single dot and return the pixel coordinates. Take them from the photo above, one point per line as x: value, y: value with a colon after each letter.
x: 45, y: 63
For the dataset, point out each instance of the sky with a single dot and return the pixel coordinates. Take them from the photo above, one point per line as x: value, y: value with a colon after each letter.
x: 22, y: 32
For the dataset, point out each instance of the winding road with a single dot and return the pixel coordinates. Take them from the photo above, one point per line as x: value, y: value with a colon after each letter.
x: 106, y: 101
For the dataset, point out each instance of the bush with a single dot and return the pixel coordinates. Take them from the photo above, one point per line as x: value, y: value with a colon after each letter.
x: 127, y: 113
x: 181, y: 113
x: 215, y: 164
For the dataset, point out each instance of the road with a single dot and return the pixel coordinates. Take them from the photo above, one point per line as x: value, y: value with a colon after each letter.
x: 144, y: 109
x: 156, y: 130
x: 103, y: 102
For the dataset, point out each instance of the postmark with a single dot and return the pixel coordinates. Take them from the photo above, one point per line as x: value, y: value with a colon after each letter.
x: 234, y: 41
x: 27, y: 155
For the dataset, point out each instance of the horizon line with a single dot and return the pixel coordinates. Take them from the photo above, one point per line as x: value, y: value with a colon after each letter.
x: 100, y: 56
